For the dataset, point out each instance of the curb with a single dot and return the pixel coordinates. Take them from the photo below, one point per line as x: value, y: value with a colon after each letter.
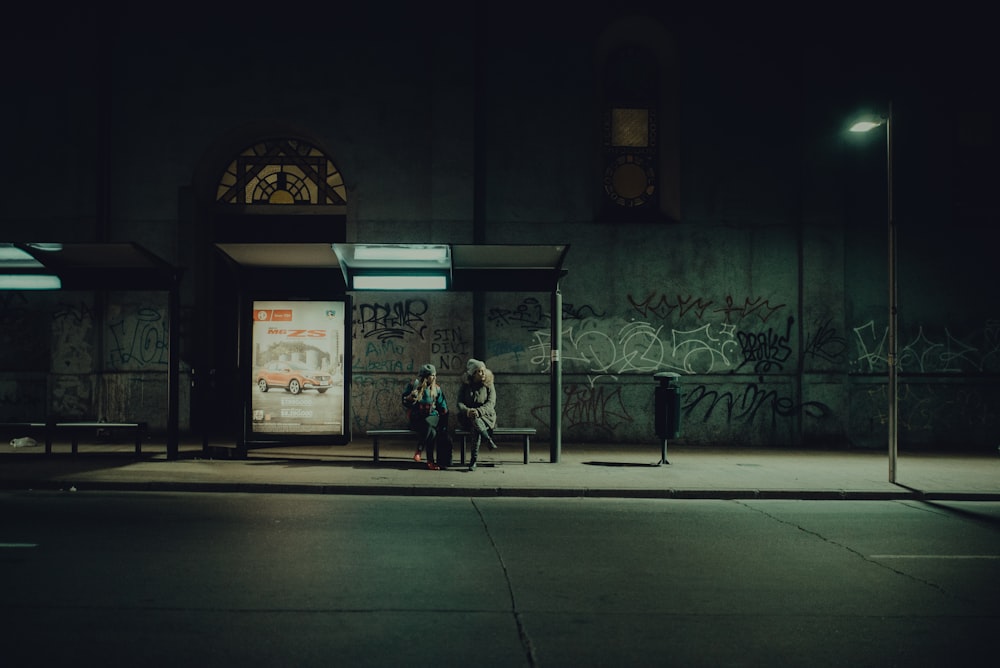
x: 524, y: 492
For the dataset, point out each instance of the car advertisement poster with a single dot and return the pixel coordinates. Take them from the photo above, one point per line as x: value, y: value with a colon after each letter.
x: 298, y: 367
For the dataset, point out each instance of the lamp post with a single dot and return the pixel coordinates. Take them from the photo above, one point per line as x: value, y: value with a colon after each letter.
x: 891, y: 357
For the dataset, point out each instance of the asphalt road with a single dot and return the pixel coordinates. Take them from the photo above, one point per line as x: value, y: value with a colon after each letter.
x: 149, y: 579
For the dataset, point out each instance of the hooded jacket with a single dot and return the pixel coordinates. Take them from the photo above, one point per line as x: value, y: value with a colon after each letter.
x: 481, y: 396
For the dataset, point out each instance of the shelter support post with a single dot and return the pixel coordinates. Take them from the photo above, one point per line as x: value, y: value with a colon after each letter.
x: 893, y: 359
x: 555, y: 364
x: 173, y: 374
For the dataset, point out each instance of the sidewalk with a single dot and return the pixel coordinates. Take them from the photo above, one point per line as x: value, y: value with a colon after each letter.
x: 608, y: 470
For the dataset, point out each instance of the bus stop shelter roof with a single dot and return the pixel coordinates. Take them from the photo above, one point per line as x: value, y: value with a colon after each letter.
x: 97, y: 266
x: 472, y: 267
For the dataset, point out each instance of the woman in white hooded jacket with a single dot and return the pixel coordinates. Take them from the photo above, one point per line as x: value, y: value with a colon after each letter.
x: 477, y: 406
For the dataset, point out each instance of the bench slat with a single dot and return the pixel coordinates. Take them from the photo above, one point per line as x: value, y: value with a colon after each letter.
x: 504, y: 431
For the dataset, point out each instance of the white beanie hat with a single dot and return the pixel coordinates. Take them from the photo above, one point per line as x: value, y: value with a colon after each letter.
x: 472, y: 365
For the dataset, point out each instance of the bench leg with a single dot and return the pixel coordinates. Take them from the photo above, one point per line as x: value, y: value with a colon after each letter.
x: 462, y: 460
x: 527, y: 447
x: 375, y: 449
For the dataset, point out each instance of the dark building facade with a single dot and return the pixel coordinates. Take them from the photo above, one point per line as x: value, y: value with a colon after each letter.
x: 722, y: 223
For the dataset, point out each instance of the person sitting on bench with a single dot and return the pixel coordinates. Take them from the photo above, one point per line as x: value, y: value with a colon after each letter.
x: 427, y: 412
x: 477, y: 406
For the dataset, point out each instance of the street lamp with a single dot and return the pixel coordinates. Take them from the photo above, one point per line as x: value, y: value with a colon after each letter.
x: 865, y: 126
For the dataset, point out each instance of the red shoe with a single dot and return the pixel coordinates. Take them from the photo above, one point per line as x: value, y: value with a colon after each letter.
x: 433, y: 467
x: 416, y: 456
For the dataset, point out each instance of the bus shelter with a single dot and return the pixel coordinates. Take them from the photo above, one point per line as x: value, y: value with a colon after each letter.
x: 476, y: 268
x: 124, y: 266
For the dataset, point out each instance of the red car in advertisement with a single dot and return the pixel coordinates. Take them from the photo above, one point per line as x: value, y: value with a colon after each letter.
x: 293, y: 377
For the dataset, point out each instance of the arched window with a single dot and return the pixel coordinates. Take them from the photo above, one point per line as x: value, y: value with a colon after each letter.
x: 282, y: 172
x: 280, y: 190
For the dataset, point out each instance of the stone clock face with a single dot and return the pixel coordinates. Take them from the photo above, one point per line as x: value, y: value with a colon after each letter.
x: 629, y: 181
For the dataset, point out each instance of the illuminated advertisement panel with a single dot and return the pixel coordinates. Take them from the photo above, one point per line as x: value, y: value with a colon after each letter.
x: 297, y: 350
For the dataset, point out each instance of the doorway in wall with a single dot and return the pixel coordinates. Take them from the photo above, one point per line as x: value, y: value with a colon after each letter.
x: 274, y: 191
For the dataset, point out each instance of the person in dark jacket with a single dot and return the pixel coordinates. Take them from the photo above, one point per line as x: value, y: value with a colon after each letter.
x: 426, y: 411
x: 477, y: 406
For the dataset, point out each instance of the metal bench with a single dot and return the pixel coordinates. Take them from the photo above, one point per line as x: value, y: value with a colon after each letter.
x: 76, y: 429
x: 524, y: 432
x: 48, y: 431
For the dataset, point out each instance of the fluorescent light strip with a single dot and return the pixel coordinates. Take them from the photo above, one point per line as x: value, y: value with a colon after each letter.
x: 29, y: 282
x: 398, y: 282
x: 422, y: 253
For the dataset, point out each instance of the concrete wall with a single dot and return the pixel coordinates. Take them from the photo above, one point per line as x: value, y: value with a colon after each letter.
x: 69, y: 356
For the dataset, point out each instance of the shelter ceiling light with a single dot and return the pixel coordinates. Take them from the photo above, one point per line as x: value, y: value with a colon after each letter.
x: 401, y: 253
x: 400, y: 282
x: 29, y: 282
x: 395, y: 266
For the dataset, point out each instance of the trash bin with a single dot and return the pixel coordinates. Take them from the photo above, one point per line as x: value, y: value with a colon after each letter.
x: 667, y: 409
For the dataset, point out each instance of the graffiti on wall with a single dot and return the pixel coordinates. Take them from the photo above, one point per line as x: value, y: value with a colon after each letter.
x: 927, y: 352
x: 678, y: 306
x: 692, y: 335
x: 746, y: 405
x: 389, y: 320
x: 376, y: 402
x: 398, y: 337
x: 385, y: 355
x: 826, y: 344
x: 595, y: 410
x: 72, y: 395
x: 765, y: 351
x: 138, y: 339
x: 609, y: 346
x: 642, y: 347
x: 72, y: 338
x: 450, y: 349
x: 529, y: 314
x: 932, y: 412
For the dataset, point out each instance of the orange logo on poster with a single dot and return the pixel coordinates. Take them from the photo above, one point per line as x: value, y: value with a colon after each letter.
x: 275, y: 315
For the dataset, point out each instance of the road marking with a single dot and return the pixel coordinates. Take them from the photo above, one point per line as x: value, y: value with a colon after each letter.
x: 18, y: 544
x: 935, y: 556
